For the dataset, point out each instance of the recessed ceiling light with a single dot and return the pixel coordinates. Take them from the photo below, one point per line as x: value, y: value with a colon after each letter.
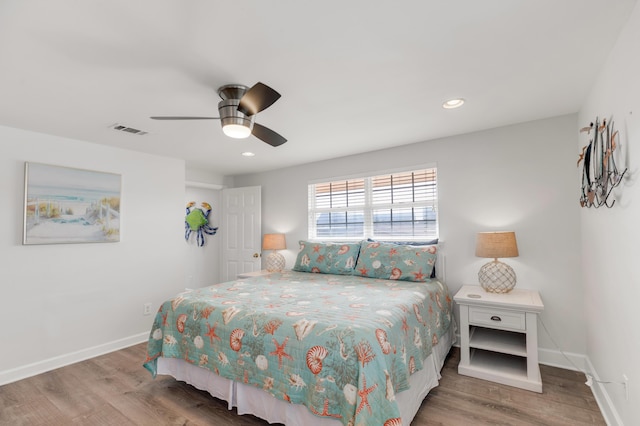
x: 248, y: 154
x: 453, y: 103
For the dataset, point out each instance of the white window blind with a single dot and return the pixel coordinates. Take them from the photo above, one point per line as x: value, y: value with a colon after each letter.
x: 389, y: 206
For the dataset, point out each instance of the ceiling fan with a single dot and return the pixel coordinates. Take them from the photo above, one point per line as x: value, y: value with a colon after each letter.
x: 238, y: 108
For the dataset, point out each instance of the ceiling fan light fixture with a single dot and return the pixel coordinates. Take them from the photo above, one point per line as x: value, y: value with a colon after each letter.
x: 236, y: 131
x: 234, y: 123
x: 238, y: 109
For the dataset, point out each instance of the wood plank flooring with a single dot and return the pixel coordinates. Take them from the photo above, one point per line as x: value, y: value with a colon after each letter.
x: 115, y: 389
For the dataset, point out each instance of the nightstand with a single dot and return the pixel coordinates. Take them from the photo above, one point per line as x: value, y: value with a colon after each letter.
x: 499, y: 336
x: 260, y: 273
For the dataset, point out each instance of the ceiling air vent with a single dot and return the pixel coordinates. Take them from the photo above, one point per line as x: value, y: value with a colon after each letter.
x: 131, y: 130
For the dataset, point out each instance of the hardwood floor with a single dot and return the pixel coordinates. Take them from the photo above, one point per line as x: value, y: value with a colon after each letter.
x: 115, y: 389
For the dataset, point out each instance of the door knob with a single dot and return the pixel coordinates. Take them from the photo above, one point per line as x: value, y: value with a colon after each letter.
x: 256, y: 255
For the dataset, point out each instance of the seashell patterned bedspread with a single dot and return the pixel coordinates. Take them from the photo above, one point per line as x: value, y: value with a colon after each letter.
x: 341, y: 345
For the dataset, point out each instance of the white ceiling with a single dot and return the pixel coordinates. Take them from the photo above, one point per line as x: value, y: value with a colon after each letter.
x: 354, y: 75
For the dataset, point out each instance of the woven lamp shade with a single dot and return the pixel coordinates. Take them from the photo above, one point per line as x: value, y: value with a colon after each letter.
x: 274, y: 262
x: 496, y: 276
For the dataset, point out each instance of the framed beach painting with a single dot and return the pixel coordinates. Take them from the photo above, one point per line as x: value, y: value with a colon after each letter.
x: 66, y: 205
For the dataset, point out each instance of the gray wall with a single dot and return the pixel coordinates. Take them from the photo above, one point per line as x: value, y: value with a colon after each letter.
x: 65, y: 302
x: 610, y: 236
x: 519, y: 178
x: 202, y: 264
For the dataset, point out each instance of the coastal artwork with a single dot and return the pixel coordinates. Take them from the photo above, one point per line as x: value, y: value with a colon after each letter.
x: 66, y: 205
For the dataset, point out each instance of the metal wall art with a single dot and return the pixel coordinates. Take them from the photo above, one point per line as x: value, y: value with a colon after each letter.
x: 599, y: 171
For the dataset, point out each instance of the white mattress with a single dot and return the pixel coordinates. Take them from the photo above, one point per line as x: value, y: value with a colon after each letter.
x: 250, y: 400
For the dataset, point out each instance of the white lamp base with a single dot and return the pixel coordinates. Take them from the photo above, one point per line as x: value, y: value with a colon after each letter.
x: 274, y: 262
x: 497, y: 277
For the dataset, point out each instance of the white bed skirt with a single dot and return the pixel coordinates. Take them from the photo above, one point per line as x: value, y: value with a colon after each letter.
x: 252, y: 400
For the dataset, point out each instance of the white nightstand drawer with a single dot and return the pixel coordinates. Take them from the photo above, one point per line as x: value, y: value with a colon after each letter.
x: 497, y: 318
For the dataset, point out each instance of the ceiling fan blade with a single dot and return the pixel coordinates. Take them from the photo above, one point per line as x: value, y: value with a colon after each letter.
x: 267, y: 135
x: 184, y: 118
x: 258, y: 98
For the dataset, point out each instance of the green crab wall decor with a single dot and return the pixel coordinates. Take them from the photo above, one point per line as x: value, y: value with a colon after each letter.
x: 197, y: 220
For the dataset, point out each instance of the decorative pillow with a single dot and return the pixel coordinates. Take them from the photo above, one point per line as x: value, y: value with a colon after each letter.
x: 395, y: 262
x: 414, y: 243
x: 327, y: 257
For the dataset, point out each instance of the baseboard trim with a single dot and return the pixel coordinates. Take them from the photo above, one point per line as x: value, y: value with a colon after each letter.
x: 29, y: 370
x: 607, y: 408
x: 579, y: 362
x: 566, y: 360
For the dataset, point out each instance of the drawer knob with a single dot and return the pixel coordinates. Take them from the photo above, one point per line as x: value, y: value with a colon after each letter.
x: 496, y: 318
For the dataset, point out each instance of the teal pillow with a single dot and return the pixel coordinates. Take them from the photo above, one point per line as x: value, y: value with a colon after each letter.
x: 415, y: 243
x: 396, y: 261
x: 327, y: 257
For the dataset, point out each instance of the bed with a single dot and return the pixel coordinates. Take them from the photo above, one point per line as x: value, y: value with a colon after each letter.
x: 356, y: 334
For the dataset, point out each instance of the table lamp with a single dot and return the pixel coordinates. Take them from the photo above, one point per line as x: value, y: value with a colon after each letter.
x: 274, y: 262
x: 495, y: 276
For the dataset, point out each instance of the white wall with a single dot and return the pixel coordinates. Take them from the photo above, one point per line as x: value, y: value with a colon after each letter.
x: 610, y: 236
x: 69, y: 301
x: 519, y: 178
x: 202, y: 264
x: 206, y: 177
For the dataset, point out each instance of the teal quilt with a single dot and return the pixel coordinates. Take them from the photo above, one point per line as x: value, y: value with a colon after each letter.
x: 341, y: 345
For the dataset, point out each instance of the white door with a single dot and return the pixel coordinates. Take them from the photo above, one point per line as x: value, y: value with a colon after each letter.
x: 241, y: 231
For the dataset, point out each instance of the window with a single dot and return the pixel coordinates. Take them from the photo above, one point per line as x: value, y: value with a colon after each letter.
x: 397, y: 206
